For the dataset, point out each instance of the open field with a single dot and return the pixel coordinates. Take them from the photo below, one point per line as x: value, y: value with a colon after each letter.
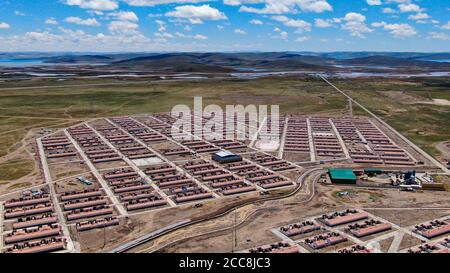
x: 22, y: 119
x: 397, y: 101
x: 394, y: 100
x: 22, y: 110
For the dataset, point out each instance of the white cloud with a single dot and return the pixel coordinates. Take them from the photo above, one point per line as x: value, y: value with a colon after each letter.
x: 63, y: 40
x: 162, y: 30
x: 284, y: 35
x: 281, y: 34
x: 374, y: 2
x: 389, y: 10
x: 282, y: 6
x: 300, y: 25
x: 83, y: 22
x: 95, y: 12
x: 123, y: 27
x: 200, y: 37
x: 196, y: 36
x: 162, y: 25
x: 163, y: 35
x: 197, y: 14
x: 240, y: 31
x: 398, y: 1
x: 323, y: 23
x: 19, y: 13
x: 51, y: 21
x: 151, y: 3
x: 355, y: 24
x: 256, y: 22
x: 446, y: 26
x: 94, y: 4
x: 397, y: 30
x: 419, y: 16
x: 302, y: 39
x: 439, y: 36
x: 4, y: 25
x: 125, y: 16
x: 409, y: 8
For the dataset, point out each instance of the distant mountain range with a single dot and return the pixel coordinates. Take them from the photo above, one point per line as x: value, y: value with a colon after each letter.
x: 230, y: 62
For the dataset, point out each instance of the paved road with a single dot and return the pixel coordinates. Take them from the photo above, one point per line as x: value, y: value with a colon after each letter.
x: 312, y: 152
x: 341, y: 141
x: 418, y: 149
x: 395, y: 245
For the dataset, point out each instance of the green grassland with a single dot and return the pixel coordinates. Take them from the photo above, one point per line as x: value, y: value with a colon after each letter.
x: 86, y: 102
x: 15, y: 169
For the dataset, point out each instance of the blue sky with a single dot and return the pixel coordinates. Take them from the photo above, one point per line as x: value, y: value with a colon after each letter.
x: 225, y: 25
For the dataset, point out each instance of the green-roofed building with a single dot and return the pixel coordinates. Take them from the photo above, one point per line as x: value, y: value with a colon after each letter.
x: 342, y: 176
x: 373, y: 171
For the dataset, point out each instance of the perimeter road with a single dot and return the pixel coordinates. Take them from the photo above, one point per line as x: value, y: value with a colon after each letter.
x: 338, y: 136
x: 255, y: 136
x: 395, y: 245
x: 419, y: 150
x: 312, y: 153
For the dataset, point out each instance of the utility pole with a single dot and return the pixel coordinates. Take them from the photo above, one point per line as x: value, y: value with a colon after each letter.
x: 233, y: 233
x: 235, y: 228
x: 350, y: 107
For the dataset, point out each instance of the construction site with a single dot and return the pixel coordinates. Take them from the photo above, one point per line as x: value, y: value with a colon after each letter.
x: 128, y: 184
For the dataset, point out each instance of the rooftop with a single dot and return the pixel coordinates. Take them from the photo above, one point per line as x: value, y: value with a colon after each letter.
x: 345, y: 174
x: 225, y: 154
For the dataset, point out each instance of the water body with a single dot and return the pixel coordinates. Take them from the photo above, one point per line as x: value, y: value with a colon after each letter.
x: 387, y: 75
x: 21, y: 62
x: 439, y: 61
x: 341, y: 74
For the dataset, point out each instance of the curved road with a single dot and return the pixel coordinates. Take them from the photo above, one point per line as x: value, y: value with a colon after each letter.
x: 243, y: 221
x: 162, y: 232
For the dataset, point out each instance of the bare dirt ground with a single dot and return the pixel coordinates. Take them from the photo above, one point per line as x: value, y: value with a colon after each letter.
x: 385, y: 244
x: 405, y: 218
x: 255, y: 231
x: 444, y: 148
x: 148, y: 221
x: 402, y: 96
x: 67, y: 169
x: 408, y: 242
x: 438, y: 102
